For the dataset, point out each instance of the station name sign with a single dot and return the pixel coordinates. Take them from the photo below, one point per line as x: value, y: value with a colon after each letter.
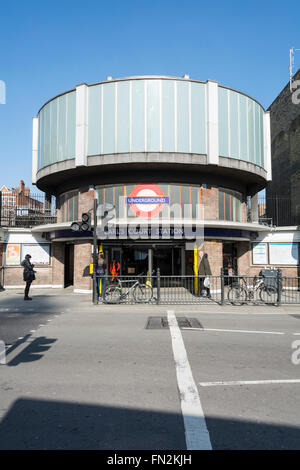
x: 140, y: 231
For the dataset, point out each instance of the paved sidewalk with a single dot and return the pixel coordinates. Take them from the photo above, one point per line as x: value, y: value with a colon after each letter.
x: 94, y: 378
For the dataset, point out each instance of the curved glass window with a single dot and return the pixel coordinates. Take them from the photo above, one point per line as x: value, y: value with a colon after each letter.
x: 230, y: 205
x: 175, y: 200
x: 69, y: 206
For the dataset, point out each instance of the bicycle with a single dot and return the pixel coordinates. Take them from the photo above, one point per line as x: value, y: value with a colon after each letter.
x: 142, y: 293
x: 239, y: 294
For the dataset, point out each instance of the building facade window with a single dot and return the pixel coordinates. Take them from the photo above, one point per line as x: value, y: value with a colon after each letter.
x: 69, y: 206
x: 183, y: 200
x: 230, y: 205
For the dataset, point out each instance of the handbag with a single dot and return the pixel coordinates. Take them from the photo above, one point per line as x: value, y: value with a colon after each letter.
x: 206, y: 282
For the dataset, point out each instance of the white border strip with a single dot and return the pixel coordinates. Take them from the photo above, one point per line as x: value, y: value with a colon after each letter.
x: 82, y: 291
x: 236, y: 331
x: 196, y: 432
x: 249, y: 382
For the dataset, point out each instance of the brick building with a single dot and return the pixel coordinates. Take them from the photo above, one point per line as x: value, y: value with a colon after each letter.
x: 285, y: 144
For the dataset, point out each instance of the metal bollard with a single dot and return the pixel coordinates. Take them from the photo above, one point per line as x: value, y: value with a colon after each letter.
x: 158, y: 286
x: 222, y: 287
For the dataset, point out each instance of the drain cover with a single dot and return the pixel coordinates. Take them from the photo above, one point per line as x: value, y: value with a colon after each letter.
x: 157, y: 323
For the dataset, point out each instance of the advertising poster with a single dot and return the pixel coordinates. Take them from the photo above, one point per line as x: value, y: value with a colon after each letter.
x: 40, y: 253
x: 13, y: 254
x: 284, y: 254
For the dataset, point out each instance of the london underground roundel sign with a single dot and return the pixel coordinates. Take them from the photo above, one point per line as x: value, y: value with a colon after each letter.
x: 147, y: 200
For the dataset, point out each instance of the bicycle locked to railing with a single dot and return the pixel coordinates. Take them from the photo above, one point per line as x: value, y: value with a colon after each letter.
x: 242, y: 291
x: 117, y: 292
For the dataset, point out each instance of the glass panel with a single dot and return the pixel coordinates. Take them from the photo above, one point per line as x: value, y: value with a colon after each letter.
x: 198, y: 118
x: 119, y: 201
x: 175, y: 208
x: 168, y: 123
x: 262, y: 159
x: 223, y: 122
x: 195, y: 200
x: 153, y: 115
x: 234, y: 129
x: 109, y: 118
x: 41, y: 140
x: 185, y: 201
x: 183, y: 135
x: 47, y: 134
x: 251, y: 131
x: 71, y: 125
x: 243, y: 128
x: 257, y: 136
x: 123, y: 126
x: 62, y: 128
x: 94, y: 111
x: 138, y: 117
x: 53, y: 157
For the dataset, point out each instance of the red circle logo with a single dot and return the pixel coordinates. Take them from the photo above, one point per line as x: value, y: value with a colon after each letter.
x: 147, y: 200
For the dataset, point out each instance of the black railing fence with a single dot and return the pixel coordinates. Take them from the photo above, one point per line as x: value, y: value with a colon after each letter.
x: 20, y: 210
x: 277, y: 211
x: 273, y: 289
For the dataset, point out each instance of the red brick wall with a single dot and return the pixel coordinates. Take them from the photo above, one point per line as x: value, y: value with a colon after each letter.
x: 82, y: 261
x: 58, y: 260
x: 13, y: 276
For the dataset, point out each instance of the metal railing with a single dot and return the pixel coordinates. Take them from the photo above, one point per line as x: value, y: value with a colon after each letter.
x: 20, y: 210
x: 221, y: 290
x: 277, y: 211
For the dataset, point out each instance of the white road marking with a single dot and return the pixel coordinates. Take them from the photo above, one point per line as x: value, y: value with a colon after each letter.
x: 196, y: 432
x: 236, y: 331
x: 32, y: 331
x: 248, y: 382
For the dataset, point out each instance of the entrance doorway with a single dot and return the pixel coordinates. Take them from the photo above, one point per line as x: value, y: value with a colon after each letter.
x: 134, y: 260
x: 69, y: 264
x: 230, y: 258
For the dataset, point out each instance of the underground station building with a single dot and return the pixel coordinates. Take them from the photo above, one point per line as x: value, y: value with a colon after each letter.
x: 170, y: 154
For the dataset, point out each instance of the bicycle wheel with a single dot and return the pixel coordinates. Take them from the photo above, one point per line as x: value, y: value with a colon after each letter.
x: 112, y: 295
x: 237, y: 295
x: 268, y: 295
x: 142, y: 293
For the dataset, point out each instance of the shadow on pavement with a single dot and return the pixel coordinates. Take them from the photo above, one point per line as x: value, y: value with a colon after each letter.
x: 42, y: 424
x: 33, y: 352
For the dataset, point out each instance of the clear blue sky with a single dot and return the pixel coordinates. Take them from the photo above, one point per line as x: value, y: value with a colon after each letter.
x: 48, y: 47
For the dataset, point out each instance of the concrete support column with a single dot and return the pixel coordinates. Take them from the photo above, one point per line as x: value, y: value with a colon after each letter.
x: 82, y: 261
x: 58, y: 264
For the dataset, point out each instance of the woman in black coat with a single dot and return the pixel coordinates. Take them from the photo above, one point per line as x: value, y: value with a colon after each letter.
x: 28, y: 275
x: 204, y: 271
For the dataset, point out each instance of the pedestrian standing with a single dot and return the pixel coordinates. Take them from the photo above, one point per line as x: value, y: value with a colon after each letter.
x: 100, y: 272
x: 28, y: 275
x: 205, y: 272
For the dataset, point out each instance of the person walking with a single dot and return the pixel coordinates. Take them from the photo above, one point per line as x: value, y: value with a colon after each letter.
x: 204, y: 272
x: 28, y: 275
x: 100, y: 272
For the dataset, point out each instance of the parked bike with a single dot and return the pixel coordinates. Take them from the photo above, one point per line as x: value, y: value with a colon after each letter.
x: 239, y: 294
x: 115, y: 293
